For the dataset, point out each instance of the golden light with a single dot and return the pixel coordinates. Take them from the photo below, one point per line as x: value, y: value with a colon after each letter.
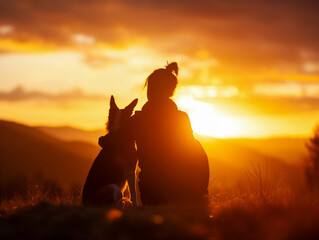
x: 206, y: 120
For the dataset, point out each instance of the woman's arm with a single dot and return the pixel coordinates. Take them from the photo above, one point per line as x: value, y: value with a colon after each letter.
x: 131, y: 180
x: 131, y: 176
x: 185, y: 126
x: 130, y: 155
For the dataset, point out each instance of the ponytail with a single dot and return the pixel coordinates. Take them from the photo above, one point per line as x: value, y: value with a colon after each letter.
x: 172, y: 67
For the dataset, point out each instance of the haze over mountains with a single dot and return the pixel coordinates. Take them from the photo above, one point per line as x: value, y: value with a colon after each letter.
x: 291, y: 150
x: 64, y: 155
x: 73, y: 134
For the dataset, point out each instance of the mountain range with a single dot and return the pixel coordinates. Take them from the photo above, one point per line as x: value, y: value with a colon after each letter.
x: 65, y: 154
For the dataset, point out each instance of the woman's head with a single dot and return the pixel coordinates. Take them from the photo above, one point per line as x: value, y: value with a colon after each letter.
x: 162, y: 82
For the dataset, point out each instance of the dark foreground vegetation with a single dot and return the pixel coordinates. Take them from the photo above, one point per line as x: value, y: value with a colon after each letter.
x: 248, y: 216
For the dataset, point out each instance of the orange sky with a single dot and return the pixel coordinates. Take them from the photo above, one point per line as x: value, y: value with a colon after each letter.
x: 248, y: 68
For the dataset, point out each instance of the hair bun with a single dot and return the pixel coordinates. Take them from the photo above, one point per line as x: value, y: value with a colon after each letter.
x: 172, y: 67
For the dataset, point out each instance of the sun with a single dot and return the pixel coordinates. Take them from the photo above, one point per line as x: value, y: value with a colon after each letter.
x: 206, y: 120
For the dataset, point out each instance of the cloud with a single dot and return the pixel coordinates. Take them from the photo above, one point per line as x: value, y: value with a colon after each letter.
x: 208, y: 91
x: 98, y: 60
x: 241, y: 34
x: 6, y: 30
x: 291, y: 96
x: 284, y: 105
x: 83, y: 39
x: 287, y: 89
x: 20, y: 94
x: 263, y: 97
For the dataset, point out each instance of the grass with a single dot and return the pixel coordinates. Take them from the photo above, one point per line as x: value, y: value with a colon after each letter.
x: 264, y: 210
x: 238, y: 218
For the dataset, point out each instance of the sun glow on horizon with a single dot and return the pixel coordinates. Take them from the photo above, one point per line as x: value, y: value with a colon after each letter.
x: 206, y: 120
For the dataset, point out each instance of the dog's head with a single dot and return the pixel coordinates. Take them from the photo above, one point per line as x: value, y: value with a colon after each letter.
x: 118, y: 117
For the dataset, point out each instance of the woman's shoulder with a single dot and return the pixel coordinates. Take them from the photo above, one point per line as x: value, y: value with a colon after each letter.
x: 183, y: 114
x: 171, y: 111
x: 150, y: 112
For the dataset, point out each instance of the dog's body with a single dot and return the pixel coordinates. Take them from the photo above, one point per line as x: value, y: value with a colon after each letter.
x: 115, y: 164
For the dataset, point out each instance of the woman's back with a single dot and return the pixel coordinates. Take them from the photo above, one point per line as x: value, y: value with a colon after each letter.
x: 173, y: 165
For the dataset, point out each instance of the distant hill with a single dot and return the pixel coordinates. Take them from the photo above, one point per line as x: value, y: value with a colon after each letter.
x: 27, y: 152
x: 73, y: 134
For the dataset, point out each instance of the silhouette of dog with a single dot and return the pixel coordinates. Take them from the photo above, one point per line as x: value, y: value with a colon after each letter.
x: 115, y: 164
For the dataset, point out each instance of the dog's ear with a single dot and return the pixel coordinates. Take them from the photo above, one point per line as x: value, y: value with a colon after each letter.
x: 132, y: 105
x: 113, y: 104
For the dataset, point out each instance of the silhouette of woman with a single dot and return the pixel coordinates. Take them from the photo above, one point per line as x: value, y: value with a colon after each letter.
x: 174, y: 166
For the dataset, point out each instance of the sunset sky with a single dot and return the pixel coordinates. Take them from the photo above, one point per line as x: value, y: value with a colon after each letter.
x: 247, y: 68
